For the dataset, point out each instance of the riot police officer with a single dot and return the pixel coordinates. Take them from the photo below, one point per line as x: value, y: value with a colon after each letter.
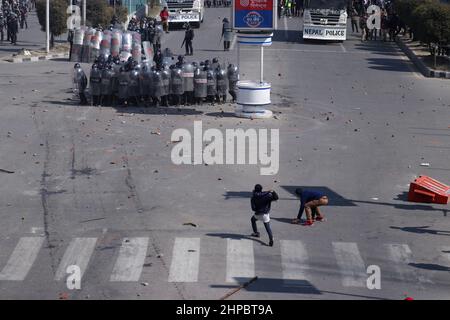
x: 107, y: 85
x: 134, y: 86
x: 233, y: 78
x: 187, y: 69
x: 222, y: 84
x: 176, y: 84
x: 2, y: 25
x: 122, y: 92
x: 200, y: 83
x: 211, y: 83
x: 146, y: 82
x: 157, y: 88
x: 165, y: 75
x: 80, y: 82
x: 95, y: 80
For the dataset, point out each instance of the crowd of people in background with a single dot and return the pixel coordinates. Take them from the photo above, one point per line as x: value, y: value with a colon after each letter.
x: 390, y: 23
x: 13, y: 15
x: 290, y: 8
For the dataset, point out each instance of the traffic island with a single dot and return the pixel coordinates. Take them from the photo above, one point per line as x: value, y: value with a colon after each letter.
x: 420, y: 56
x: 23, y: 55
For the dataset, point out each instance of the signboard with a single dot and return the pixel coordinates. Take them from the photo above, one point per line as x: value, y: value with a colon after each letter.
x: 254, y: 15
x: 324, y: 33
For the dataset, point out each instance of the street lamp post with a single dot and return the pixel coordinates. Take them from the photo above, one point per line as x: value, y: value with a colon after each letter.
x: 84, y: 13
x: 47, y: 25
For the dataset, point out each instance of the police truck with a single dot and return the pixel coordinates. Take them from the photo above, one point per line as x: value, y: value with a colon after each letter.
x: 183, y: 11
x: 325, y: 20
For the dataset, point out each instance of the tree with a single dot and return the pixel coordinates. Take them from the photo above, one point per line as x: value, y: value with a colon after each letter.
x: 58, y: 17
x: 99, y: 13
x: 433, y: 24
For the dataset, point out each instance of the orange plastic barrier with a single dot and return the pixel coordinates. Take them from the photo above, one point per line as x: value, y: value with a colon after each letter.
x: 428, y: 190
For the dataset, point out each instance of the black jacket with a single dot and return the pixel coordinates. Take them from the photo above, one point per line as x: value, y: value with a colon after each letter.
x: 261, y: 201
x: 189, y: 35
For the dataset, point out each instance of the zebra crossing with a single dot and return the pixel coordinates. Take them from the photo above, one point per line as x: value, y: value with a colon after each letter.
x: 296, y: 262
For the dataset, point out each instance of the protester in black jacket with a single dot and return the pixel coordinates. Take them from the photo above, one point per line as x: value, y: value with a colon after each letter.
x: 261, y: 201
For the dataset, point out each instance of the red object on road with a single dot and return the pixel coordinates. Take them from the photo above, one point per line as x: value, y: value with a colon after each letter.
x: 428, y: 190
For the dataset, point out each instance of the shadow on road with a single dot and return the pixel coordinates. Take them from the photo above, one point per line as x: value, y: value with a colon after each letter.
x: 378, y: 48
x: 430, y: 266
x: 275, y: 286
x: 235, y: 236
x: 386, y: 64
x: 158, y: 110
x: 221, y: 114
x: 422, y: 230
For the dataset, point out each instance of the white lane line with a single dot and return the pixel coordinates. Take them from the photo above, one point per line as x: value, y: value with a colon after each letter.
x: 233, y: 42
x: 22, y: 259
x: 417, y: 74
x: 401, y: 254
x: 286, y: 35
x: 294, y: 259
x: 77, y: 253
x: 307, y: 51
x: 350, y: 263
x: 185, y: 260
x: 343, y: 48
x: 240, y: 260
x: 131, y: 259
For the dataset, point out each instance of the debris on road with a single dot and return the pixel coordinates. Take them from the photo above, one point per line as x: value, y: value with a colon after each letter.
x: 6, y: 171
x: 190, y: 224
x: 242, y: 286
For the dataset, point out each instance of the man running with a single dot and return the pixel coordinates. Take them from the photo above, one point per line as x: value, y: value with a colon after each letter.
x: 260, y: 202
x: 310, y: 201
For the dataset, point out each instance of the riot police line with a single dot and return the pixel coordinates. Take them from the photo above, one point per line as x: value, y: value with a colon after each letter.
x: 157, y: 82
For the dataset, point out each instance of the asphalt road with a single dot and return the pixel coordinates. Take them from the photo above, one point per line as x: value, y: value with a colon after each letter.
x: 97, y: 188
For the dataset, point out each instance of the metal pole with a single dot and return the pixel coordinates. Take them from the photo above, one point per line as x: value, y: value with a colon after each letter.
x: 261, y: 71
x: 47, y: 25
x: 238, y: 56
x: 84, y: 13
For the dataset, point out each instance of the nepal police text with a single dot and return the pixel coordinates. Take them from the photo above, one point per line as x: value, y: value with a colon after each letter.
x: 334, y: 33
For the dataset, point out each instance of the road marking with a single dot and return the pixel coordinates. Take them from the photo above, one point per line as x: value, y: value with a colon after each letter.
x: 240, y: 260
x: 294, y: 260
x: 185, y: 260
x: 286, y: 35
x: 131, y: 259
x: 233, y: 42
x: 343, y: 48
x: 22, y: 259
x: 308, y: 51
x: 351, y: 264
x: 417, y: 74
x: 401, y: 255
x: 77, y: 253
